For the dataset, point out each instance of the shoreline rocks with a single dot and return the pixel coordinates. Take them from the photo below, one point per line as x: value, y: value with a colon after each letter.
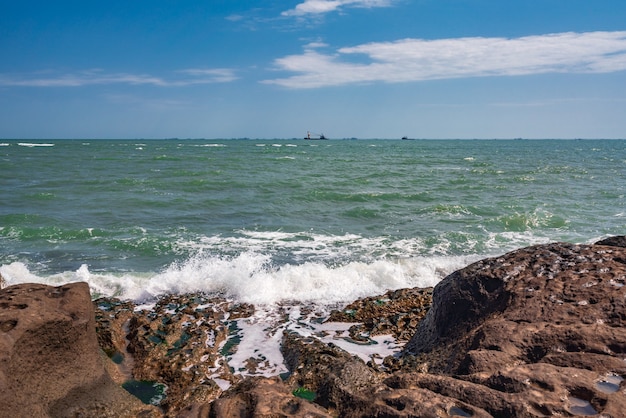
x: 395, y: 313
x: 50, y: 362
x: 539, y: 331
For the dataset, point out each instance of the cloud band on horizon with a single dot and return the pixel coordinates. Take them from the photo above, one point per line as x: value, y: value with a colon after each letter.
x: 412, y: 59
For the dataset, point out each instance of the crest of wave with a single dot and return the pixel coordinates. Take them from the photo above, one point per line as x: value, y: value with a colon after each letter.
x: 252, y: 278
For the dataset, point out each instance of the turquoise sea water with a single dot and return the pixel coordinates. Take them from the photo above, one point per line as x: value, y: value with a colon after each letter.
x: 272, y: 220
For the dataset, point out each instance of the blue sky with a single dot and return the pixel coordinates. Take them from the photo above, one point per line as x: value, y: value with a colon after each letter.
x: 347, y: 68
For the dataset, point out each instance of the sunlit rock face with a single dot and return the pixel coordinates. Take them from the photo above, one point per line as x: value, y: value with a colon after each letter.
x: 50, y: 361
x: 540, y: 329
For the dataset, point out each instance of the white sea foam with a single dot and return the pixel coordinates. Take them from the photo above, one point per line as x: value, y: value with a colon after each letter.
x: 309, y: 245
x: 251, y: 277
x: 260, y: 343
x: 31, y: 145
x: 265, y: 268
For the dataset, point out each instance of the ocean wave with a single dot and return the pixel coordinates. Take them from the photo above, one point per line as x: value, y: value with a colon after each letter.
x: 32, y: 145
x: 253, y: 278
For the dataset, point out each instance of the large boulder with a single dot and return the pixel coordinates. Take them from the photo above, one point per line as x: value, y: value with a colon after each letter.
x: 616, y: 241
x: 50, y: 361
x: 538, y: 331
x: 538, y: 303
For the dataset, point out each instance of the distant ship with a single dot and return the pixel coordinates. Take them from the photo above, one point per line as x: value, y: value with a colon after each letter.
x: 312, y: 136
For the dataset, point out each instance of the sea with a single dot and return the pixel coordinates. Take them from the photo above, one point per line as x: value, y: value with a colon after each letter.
x: 276, y: 221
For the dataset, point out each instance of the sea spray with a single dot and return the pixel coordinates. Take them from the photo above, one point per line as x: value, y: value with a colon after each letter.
x: 252, y: 278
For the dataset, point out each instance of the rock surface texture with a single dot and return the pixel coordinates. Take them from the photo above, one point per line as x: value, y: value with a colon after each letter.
x: 537, y: 332
x: 50, y: 361
x: 180, y: 343
x: 396, y: 313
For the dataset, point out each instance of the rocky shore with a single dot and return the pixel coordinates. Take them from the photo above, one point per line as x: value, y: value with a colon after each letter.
x: 539, y: 331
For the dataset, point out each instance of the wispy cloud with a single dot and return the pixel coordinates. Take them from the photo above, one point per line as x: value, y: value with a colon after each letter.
x: 235, y: 17
x: 418, y: 59
x: 96, y: 76
x: 213, y: 75
x: 317, y: 7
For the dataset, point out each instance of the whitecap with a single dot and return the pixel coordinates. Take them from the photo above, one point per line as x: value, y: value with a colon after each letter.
x: 32, y: 145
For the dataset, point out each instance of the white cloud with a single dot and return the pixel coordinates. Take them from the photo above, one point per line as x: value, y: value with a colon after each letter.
x: 316, y: 7
x: 213, y: 75
x: 418, y: 59
x: 235, y: 18
x: 94, y: 77
x: 313, y: 45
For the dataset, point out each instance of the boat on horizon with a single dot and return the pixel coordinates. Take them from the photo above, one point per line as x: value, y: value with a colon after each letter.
x: 312, y: 136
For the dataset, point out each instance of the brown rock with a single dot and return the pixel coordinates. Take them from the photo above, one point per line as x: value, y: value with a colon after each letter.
x: 262, y: 397
x: 50, y: 362
x: 541, y: 328
x: 397, y: 313
x: 528, y: 303
x: 325, y: 369
x: 346, y: 387
x: 176, y: 343
x: 617, y: 241
x: 522, y: 391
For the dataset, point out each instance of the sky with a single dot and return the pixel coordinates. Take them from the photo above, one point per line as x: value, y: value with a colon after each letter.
x: 346, y: 68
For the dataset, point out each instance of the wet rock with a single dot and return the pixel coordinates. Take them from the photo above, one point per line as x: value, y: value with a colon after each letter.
x: 179, y: 343
x: 397, y: 313
x: 331, y: 373
x: 50, y: 362
x: 346, y: 387
x: 617, y: 241
x: 261, y: 397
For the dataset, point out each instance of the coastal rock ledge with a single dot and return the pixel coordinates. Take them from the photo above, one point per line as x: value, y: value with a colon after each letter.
x: 50, y: 361
x: 536, y: 332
